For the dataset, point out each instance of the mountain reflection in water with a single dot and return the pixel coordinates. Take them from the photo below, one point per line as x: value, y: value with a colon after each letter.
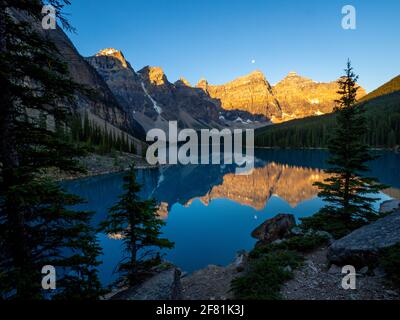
x: 210, y: 212
x: 290, y: 183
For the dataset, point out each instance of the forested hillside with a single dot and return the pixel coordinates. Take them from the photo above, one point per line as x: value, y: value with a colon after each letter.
x: 389, y: 87
x: 383, y: 119
x: 96, y: 138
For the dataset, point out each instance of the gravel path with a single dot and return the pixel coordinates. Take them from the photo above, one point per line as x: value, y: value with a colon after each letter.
x: 211, y: 283
x: 316, y: 281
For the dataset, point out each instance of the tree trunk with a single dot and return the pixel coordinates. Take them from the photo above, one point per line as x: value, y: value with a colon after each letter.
x: 133, y: 271
x: 346, y: 195
x: 8, y: 151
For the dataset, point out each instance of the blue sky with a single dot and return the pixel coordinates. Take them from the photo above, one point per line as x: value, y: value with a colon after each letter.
x: 218, y: 39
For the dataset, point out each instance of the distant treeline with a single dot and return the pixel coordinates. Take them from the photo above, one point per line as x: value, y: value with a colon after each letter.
x: 99, y: 139
x: 383, y: 120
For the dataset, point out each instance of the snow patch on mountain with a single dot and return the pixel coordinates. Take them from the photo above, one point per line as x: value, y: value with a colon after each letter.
x: 155, y: 105
x: 239, y: 119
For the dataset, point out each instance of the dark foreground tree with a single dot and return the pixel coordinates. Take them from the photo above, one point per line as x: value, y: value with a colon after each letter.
x: 349, y: 193
x: 37, y: 228
x: 136, y: 221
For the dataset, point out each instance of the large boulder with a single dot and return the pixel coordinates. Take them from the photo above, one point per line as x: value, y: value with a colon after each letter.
x: 389, y: 206
x: 165, y: 285
x: 275, y: 228
x: 363, y: 245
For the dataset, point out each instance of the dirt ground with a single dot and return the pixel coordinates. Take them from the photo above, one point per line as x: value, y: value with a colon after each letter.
x: 211, y: 283
x: 317, y: 281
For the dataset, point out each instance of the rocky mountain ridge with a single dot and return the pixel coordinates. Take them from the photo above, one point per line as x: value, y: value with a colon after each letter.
x: 387, y: 88
x: 292, y: 98
x: 251, y: 93
x: 151, y: 100
x: 300, y: 97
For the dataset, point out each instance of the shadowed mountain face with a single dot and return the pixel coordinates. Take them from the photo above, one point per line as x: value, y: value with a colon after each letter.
x: 182, y: 103
x: 125, y: 84
x: 98, y: 101
x: 102, y: 103
x: 148, y: 97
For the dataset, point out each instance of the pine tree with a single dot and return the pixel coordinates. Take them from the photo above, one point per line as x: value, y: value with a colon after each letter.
x: 136, y: 220
x: 37, y: 228
x: 348, y: 191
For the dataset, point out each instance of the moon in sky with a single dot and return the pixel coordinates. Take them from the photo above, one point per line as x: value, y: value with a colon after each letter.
x: 253, y: 61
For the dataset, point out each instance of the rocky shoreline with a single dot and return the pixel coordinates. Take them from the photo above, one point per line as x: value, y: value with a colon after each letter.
x: 96, y: 164
x: 210, y: 283
x: 395, y: 149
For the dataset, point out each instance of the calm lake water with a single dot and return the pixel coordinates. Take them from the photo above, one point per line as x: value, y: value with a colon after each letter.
x: 210, y: 212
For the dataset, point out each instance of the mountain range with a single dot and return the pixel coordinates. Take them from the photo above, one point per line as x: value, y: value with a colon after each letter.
x: 292, y: 98
x: 152, y: 100
x: 134, y: 101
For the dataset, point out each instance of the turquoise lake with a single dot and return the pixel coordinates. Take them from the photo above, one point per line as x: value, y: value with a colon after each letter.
x: 210, y: 212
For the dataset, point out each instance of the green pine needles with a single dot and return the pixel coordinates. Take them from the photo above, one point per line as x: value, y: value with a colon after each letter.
x: 37, y: 225
x: 350, y: 194
x: 140, y: 227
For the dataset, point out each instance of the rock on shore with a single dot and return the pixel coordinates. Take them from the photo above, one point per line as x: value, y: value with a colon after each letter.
x: 363, y: 245
x: 165, y: 285
x: 275, y: 228
x: 214, y: 282
x: 389, y: 206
